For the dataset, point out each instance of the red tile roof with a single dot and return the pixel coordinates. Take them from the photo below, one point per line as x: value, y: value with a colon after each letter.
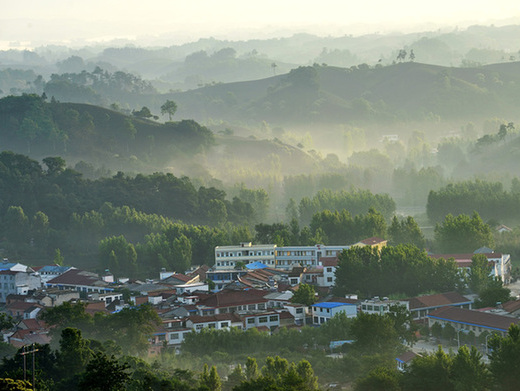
x: 438, y: 300
x: 329, y: 261
x: 233, y: 298
x: 78, y: 277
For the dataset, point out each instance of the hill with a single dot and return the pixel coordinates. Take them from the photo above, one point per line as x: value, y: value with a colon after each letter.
x: 323, y: 94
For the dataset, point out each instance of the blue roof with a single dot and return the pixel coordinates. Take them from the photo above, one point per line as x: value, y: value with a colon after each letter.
x: 330, y: 304
x: 54, y: 269
x: 256, y: 265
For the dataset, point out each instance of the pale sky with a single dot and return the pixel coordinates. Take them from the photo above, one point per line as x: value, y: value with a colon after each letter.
x: 39, y: 22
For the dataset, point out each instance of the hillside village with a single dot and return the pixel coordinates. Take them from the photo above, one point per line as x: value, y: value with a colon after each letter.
x: 249, y: 286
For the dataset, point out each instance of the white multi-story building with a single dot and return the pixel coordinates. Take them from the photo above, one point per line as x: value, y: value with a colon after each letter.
x: 227, y: 257
x: 14, y: 282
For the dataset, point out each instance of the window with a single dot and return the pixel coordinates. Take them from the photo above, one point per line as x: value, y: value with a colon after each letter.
x: 251, y: 307
x: 250, y: 320
x: 299, y: 310
x: 261, y: 306
x: 262, y: 319
x: 199, y: 327
x: 329, y: 279
x: 329, y: 270
x: 224, y: 324
x: 211, y: 325
x: 174, y: 336
x: 273, y: 318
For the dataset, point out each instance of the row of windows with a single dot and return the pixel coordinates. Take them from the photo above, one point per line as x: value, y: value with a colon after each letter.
x: 240, y: 254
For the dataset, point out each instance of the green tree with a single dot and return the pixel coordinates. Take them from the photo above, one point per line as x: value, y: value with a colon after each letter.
x: 495, y: 292
x: 304, y: 295
x: 104, y: 373
x: 504, y: 363
x: 479, y: 273
x: 169, y: 107
x: 74, y: 353
x: 251, y: 368
x: 58, y: 258
x: 15, y: 385
x: 406, y: 231
x: 374, y: 334
x: 469, y: 372
x: 211, y: 379
x: 55, y: 165
x: 463, y: 234
x: 379, y: 379
x: 430, y: 372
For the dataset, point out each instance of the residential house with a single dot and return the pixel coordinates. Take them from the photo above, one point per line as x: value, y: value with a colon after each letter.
x: 373, y: 242
x: 329, y: 265
x: 49, y: 272
x: 324, y: 311
x: 23, y: 310
x: 470, y: 320
x: 268, y: 320
x: 232, y: 301
x: 421, y: 306
x: 18, y: 282
x: 217, y: 322
x: 278, y: 299
x: 83, y: 281
x: 404, y: 360
x: 298, y: 311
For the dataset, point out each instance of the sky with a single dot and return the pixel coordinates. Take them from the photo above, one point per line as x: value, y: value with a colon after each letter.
x: 31, y: 23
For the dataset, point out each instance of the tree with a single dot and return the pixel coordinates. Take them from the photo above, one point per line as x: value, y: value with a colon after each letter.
x: 15, y: 385
x: 406, y: 232
x: 104, y: 373
x: 479, y: 273
x: 493, y: 294
x: 304, y: 295
x: 58, y: 258
x: 143, y: 113
x: 468, y: 371
x: 374, y: 333
x: 169, y: 107
x: 211, y: 379
x: 504, y: 363
x: 379, y: 379
x: 55, y: 165
x: 251, y: 368
x: 463, y: 234
x: 403, y: 323
x: 430, y: 372
x: 74, y: 353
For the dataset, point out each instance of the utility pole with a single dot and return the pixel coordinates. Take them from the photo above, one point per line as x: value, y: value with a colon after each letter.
x: 24, y: 354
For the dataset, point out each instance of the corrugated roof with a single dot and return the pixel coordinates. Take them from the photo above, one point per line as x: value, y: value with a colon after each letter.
x: 441, y: 299
x: 330, y: 304
x: 474, y: 318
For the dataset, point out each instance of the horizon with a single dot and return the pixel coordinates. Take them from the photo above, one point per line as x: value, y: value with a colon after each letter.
x: 30, y: 24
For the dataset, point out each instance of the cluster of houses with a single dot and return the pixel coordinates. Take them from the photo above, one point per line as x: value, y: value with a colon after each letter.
x: 250, y: 286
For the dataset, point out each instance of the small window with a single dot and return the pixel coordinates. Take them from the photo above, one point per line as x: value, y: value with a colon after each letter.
x: 224, y: 324
x: 250, y: 320
x: 262, y: 319
x: 299, y: 310
x: 174, y: 336
x: 273, y: 318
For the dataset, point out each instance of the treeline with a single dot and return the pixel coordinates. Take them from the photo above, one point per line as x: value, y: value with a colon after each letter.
x: 489, y: 199
x: 402, y: 269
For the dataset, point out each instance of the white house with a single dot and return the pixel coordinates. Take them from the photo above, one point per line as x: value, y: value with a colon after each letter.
x: 323, y: 312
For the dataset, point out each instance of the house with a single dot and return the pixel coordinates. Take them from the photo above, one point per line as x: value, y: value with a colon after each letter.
x: 232, y: 301
x: 470, y: 320
x: 503, y: 228
x: 49, y: 272
x: 23, y: 310
x: 421, y: 306
x: 217, y: 322
x: 18, y: 282
x: 512, y: 308
x: 269, y: 320
x: 404, y: 360
x: 278, y: 299
x: 83, y: 281
x: 298, y: 311
x: 373, y: 242
x: 329, y: 265
x: 106, y: 298
x: 324, y: 311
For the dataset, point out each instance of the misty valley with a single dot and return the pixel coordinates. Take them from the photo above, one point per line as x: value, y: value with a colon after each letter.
x: 298, y: 213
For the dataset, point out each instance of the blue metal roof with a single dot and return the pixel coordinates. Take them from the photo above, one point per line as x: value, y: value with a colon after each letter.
x: 256, y: 265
